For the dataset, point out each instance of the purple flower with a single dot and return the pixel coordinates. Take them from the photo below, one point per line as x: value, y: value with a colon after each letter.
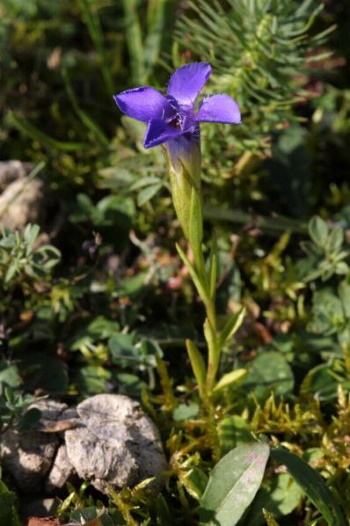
x: 174, y: 115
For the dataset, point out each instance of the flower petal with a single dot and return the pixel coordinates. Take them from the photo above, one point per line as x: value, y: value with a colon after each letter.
x: 219, y: 108
x: 142, y: 104
x: 159, y: 132
x: 187, y: 82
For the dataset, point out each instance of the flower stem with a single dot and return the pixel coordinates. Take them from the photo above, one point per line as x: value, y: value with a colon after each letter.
x: 210, y: 325
x: 183, y: 160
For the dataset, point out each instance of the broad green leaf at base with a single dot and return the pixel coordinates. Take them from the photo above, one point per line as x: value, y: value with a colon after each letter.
x: 233, y: 484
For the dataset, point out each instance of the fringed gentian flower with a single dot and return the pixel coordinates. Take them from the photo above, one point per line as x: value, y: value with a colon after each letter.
x: 173, y: 121
x: 174, y: 116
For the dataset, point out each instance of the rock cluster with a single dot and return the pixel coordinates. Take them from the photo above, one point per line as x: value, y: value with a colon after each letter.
x: 107, y: 439
x: 24, y: 199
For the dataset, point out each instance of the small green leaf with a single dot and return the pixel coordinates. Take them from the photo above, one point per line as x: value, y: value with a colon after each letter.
x: 11, y: 272
x: 318, y: 231
x: 85, y: 203
x: 335, y: 240
x: 92, y: 379
x: 269, y: 372
x: 210, y: 337
x: 197, y: 363
x: 232, y: 325
x: 9, y: 376
x: 31, y: 233
x: 320, y: 383
x: 186, y: 411
x: 341, y: 268
x: 130, y: 384
x: 121, y: 344
x: 280, y: 495
x: 233, y: 431
x: 147, y: 193
x: 270, y: 521
x: 102, y: 328
x: 311, y: 249
x: 145, y: 181
x: 344, y: 295
x: 233, y: 484
x: 113, y: 206
x: 313, y: 485
x: 195, y: 481
x: 230, y: 378
x: 50, y: 256
x: 196, y: 280
x: 133, y: 285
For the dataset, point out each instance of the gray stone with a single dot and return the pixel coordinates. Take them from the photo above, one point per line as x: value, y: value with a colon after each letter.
x: 22, y: 202
x: 107, y: 439
x: 11, y: 171
x: 26, y: 200
x: 50, y: 409
x: 28, y: 457
x: 98, y: 460
x: 117, y: 443
x: 61, y: 471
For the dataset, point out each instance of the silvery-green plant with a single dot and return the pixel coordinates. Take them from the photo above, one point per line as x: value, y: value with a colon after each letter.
x: 21, y: 254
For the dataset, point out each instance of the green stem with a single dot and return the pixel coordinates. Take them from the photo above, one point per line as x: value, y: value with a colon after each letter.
x: 214, y: 353
x: 210, y: 327
x: 183, y: 159
x: 213, y: 437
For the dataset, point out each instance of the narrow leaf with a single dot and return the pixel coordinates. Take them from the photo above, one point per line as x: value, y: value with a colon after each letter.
x: 26, y: 128
x: 145, y: 181
x: 230, y: 378
x: 197, y: 363
x: 195, y: 278
x: 270, y: 521
x: 213, y: 269
x: 31, y: 233
x: 313, y: 485
x: 232, y: 325
x: 85, y: 118
x: 210, y: 337
x: 155, y: 32
x: 134, y: 40
x: 11, y: 272
x: 94, y: 27
x: 164, y: 514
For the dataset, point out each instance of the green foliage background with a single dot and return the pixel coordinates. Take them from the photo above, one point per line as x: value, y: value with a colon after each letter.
x: 106, y: 306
